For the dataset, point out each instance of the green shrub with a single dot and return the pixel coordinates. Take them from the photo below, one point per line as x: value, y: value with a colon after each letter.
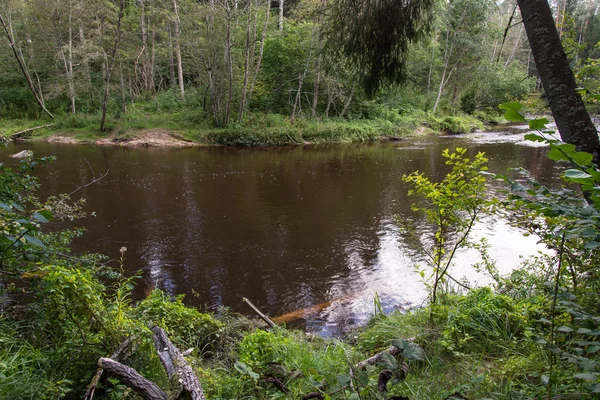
x: 456, y: 124
x: 186, y: 327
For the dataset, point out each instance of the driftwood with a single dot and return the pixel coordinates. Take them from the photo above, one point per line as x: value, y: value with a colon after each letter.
x: 18, y: 134
x: 23, y: 154
x: 174, y: 363
x: 176, y: 366
x: 260, y: 314
x: 117, y: 355
x: 147, y: 389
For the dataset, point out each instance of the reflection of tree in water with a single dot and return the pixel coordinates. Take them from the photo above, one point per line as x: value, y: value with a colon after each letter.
x: 286, y: 227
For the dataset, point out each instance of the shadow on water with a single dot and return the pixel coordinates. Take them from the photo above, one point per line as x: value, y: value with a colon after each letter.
x: 289, y: 228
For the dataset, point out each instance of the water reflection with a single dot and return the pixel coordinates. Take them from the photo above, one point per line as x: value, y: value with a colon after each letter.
x: 289, y: 228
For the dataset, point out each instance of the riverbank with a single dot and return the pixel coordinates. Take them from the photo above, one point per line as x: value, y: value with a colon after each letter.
x: 173, y: 130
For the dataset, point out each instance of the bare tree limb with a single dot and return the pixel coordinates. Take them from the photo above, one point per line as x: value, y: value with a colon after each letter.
x: 121, y: 352
x: 18, y: 134
x: 147, y: 389
x: 260, y: 314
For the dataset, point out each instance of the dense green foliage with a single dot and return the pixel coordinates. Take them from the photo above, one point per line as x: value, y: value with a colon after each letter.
x: 239, y: 72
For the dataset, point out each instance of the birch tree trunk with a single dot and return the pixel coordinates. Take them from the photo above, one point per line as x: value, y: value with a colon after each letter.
x: 249, y: 39
x: 178, y: 50
x: 316, y: 87
x: 347, y: 105
x: 260, y: 50
x: 280, y: 21
x: 568, y: 109
x: 229, y: 61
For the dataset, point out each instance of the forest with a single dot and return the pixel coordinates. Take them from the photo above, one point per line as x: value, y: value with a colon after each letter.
x: 219, y: 71
x: 74, y: 324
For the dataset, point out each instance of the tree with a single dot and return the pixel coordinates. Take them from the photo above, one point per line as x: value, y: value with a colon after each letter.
x: 374, y: 35
x: 109, y: 63
x: 570, y: 115
x: 37, y: 92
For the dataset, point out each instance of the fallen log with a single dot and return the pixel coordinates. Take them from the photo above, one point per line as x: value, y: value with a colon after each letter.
x: 147, y: 389
x: 177, y: 368
x: 117, y: 355
x: 20, y: 133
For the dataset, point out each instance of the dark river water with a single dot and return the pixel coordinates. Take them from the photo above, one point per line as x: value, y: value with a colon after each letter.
x: 289, y: 228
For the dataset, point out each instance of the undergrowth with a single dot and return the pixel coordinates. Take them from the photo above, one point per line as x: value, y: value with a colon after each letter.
x: 257, y: 129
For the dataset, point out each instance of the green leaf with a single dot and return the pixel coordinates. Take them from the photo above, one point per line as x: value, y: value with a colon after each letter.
x: 388, y: 361
x: 538, y: 124
x: 586, y: 376
x: 511, y: 111
x: 556, y: 155
x: 582, y: 158
x: 576, y: 175
x: 398, y: 343
x: 40, y: 217
x: 594, y: 388
x: 413, y: 352
x: 5, y: 206
x: 593, y: 349
x: 344, y: 380
x: 564, y: 329
x: 34, y: 241
x: 534, y: 137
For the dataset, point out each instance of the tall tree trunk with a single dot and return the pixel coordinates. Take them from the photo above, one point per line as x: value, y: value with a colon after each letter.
x: 280, y: 21
x: 110, y: 64
x: 68, y: 57
x: 347, y: 105
x: 443, y: 82
x: 260, y: 50
x: 568, y: 109
x: 229, y: 60
x: 70, y: 62
x: 249, y: 39
x: 144, y: 52
x: 171, y: 59
x: 178, y: 50
x: 301, y: 76
x: 152, y: 62
x: 316, y: 87
x: 9, y: 34
x: 123, y: 97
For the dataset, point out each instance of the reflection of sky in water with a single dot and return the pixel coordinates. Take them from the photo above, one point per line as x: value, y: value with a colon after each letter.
x: 397, y: 283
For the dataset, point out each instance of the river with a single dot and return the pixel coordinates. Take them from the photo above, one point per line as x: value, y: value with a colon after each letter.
x: 288, y: 228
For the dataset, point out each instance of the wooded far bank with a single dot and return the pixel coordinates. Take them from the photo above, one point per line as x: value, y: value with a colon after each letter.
x: 110, y: 67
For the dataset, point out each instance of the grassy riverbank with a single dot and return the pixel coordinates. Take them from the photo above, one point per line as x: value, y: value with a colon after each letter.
x: 478, y: 345
x: 141, y: 126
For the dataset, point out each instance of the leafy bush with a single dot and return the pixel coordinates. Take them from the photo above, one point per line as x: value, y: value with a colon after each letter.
x: 187, y: 327
x: 456, y: 124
